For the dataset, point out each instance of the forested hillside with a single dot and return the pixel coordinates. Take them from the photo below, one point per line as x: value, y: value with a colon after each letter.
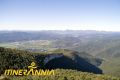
x: 12, y: 58
x: 18, y: 59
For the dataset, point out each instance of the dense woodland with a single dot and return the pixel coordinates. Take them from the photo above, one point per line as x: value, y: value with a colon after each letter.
x: 18, y: 59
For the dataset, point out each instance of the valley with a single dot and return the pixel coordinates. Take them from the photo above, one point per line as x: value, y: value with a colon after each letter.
x: 97, y: 51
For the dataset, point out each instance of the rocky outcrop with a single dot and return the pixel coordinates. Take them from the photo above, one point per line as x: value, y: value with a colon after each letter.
x: 52, y: 56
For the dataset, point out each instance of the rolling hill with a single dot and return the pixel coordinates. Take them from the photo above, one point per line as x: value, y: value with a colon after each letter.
x: 12, y: 58
x: 16, y: 59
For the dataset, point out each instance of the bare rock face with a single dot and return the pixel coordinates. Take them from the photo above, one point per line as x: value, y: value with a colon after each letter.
x: 52, y: 56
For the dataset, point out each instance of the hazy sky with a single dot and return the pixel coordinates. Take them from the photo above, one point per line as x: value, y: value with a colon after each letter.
x: 60, y: 15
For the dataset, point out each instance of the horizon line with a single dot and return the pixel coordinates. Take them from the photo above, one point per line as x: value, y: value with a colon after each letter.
x: 61, y: 30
